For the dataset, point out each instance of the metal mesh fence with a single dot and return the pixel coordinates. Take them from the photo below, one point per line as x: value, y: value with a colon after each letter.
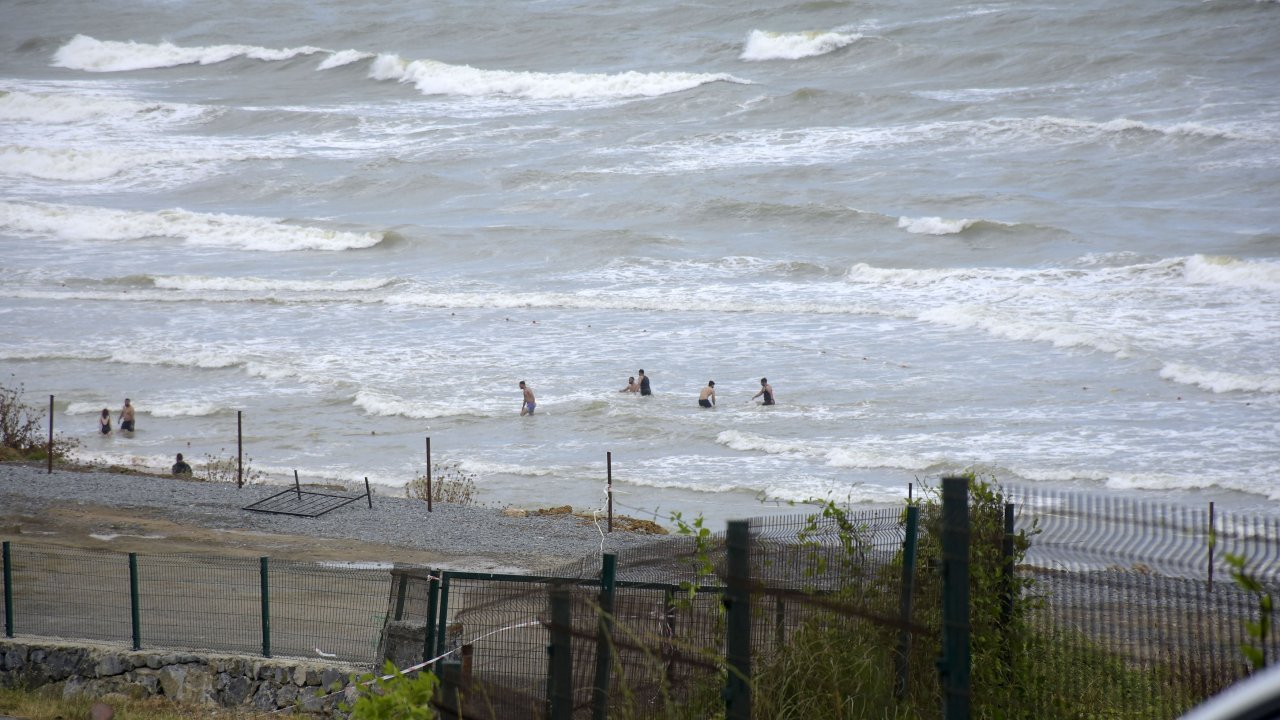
x: 1120, y: 605
x: 199, y: 603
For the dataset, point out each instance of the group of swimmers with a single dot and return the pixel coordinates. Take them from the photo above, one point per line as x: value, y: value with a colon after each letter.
x: 126, y: 419
x: 706, y: 398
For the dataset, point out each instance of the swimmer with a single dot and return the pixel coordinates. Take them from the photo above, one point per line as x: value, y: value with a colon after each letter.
x: 766, y: 390
x: 707, y: 398
x: 527, y: 404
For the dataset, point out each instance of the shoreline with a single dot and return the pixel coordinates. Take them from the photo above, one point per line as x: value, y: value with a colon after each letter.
x: 126, y: 511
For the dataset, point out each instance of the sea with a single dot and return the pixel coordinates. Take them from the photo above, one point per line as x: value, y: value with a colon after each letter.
x: 1036, y: 240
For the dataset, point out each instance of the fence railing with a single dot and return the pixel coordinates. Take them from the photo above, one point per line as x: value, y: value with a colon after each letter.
x: 1113, y: 604
x: 235, y: 605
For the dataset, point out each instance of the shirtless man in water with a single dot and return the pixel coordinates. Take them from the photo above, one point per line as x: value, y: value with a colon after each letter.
x: 527, y: 404
x: 126, y: 416
x: 707, y: 398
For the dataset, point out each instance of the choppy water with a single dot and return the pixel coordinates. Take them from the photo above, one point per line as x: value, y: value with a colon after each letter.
x: 1038, y: 238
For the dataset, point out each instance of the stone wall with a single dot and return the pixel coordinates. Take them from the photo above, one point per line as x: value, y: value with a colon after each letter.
x: 99, y: 671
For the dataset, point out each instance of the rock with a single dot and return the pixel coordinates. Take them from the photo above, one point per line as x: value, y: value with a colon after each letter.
x: 110, y: 665
x: 515, y: 512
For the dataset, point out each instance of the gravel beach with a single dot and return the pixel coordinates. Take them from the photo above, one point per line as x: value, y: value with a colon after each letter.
x: 140, y: 513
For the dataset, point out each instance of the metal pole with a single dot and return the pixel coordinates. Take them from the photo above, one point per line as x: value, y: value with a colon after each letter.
x: 905, y: 598
x: 737, y: 602
x: 429, y: 509
x: 8, y: 591
x: 433, y: 605
x: 608, y: 460
x: 368, y: 494
x: 442, y: 626
x: 239, y: 449
x: 402, y: 587
x: 297, y: 485
x: 1006, y: 549
x: 1213, y: 540
x: 560, y: 675
x: 135, y: 612
x: 264, y: 584
x: 450, y: 676
x: 955, y: 665
x: 604, y: 637
x: 50, y: 452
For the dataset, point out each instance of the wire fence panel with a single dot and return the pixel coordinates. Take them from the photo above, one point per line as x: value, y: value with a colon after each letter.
x: 327, y: 612
x: 71, y: 593
x: 196, y: 603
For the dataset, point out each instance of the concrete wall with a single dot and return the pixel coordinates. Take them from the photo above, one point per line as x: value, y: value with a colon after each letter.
x: 98, y: 671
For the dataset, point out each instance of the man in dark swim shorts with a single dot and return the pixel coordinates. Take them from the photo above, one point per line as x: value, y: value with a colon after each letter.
x: 707, y: 398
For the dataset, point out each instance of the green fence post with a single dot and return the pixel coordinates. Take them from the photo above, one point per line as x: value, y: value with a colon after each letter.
x: 433, y: 603
x: 8, y: 591
x: 135, y: 612
x: 264, y: 582
x: 402, y: 585
x: 442, y: 632
x: 737, y: 603
x: 904, y: 599
x: 604, y: 637
x: 954, y: 667
x: 560, y: 671
x: 1006, y: 552
x: 450, y: 678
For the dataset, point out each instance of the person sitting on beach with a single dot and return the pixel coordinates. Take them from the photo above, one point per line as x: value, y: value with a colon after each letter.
x: 707, y: 398
x: 631, y: 386
x: 181, y: 467
x: 527, y: 404
x: 126, y: 416
x: 104, y: 422
x: 766, y: 390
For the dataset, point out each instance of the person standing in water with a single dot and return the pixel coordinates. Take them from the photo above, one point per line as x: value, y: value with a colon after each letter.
x: 104, y: 422
x: 644, y: 383
x: 766, y: 390
x: 126, y: 416
x: 181, y: 467
x: 527, y: 404
x: 707, y: 398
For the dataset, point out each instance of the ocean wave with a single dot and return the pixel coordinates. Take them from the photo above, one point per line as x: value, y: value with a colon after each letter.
x: 431, y: 77
x: 90, y: 54
x: 1217, y: 381
x: 254, y: 284
x: 766, y: 45
x: 178, y: 408
x: 841, y: 457
x: 934, y: 225
x: 343, y: 57
x: 60, y: 109
x: 75, y: 165
x: 1233, y: 272
x: 384, y: 405
x: 211, y: 229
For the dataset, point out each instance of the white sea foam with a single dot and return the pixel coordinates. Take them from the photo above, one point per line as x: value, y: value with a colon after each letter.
x: 90, y: 54
x: 387, y: 405
x: 61, y: 109
x: 766, y: 45
x: 344, y: 57
x: 1218, y: 381
x: 934, y: 225
x: 246, y: 232
x: 75, y: 164
x: 436, y: 78
x: 1219, y: 270
x: 180, y: 408
x: 259, y: 285
x: 484, y: 467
